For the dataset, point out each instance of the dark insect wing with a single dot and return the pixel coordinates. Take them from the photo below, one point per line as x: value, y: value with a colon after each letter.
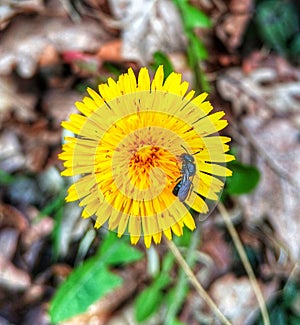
x: 188, y: 169
x: 184, y: 190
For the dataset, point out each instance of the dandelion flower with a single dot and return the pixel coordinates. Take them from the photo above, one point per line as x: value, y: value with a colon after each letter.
x: 128, y: 151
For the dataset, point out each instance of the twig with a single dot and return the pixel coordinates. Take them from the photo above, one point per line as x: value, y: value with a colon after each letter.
x: 239, y: 246
x: 176, y: 304
x: 201, y: 291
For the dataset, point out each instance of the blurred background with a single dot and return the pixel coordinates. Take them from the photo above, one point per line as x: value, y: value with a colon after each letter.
x: 245, y: 53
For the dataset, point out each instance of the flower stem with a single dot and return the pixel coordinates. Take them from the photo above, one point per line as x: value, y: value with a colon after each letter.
x: 201, y: 291
x: 239, y: 246
x: 182, y: 281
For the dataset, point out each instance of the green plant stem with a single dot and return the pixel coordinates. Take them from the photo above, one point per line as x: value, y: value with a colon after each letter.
x: 239, y: 246
x: 181, y: 285
x: 201, y: 291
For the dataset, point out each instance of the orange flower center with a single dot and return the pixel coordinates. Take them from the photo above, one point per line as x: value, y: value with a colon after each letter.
x: 152, y: 167
x: 146, y: 158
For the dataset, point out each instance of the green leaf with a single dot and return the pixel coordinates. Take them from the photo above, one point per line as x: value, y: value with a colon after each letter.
x: 162, y: 281
x: 185, y: 239
x: 56, y: 233
x: 293, y: 320
x: 147, y: 303
x: 113, y: 68
x: 290, y: 293
x: 117, y: 251
x: 244, y: 178
x: 161, y: 59
x: 85, y: 285
x: 92, y: 280
x: 295, y: 45
x: 196, y: 47
x: 278, y: 316
x: 150, y: 299
x: 275, y: 25
x: 176, y: 322
x: 192, y: 17
x: 6, y: 178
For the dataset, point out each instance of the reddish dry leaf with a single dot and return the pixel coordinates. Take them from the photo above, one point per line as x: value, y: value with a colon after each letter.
x: 241, y: 6
x: 231, y: 30
x: 49, y: 57
x: 38, y: 133
x: 215, y: 246
x: 232, y: 25
x: 284, y: 71
x: 61, y: 270
x: 34, y: 294
x: 36, y: 156
x: 111, y: 51
x: 37, y: 231
x: 11, y: 217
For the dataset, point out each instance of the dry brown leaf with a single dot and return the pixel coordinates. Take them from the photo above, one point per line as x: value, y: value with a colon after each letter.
x: 261, y: 91
x: 270, y: 98
x: 278, y: 194
x: 13, y: 101
x: 37, y: 231
x: 111, y: 51
x: 231, y: 27
x: 21, y: 48
x: 231, y: 30
x: 147, y: 27
x: 10, y: 8
x: 12, y: 158
x: 11, y: 217
x: 8, y: 242
x: 236, y: 299
x: 34, y: 144
x: 36, y: 157
x: 59, y: 104
x: 37, y: 133
x: 11, y: 277
x: 37, y: 315
x: 240, y: 6
x: 215, y: 246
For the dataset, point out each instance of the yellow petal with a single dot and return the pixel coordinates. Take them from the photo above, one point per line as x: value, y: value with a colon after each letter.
x: 143, y: 80
x: 158, y: 79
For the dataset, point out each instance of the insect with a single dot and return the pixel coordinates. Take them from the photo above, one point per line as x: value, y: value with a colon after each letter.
x: 188, y: 169
x: 188, y: 164
x: 182, y: 188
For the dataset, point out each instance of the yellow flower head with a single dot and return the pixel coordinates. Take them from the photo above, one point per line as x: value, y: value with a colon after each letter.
x: 146, y: 152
